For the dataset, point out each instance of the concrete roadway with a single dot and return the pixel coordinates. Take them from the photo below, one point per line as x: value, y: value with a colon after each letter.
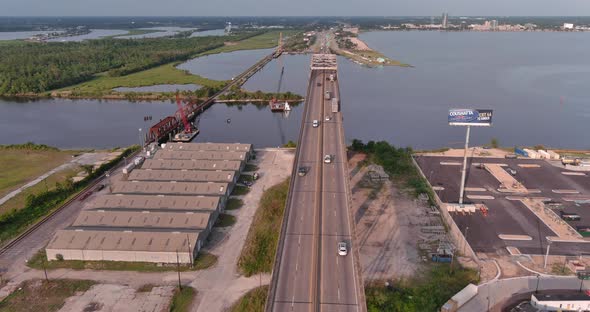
x: 312, y: 276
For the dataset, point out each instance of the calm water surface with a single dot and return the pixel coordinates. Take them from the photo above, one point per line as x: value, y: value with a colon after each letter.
x: 224, y: 66
x: 94, y: 34
x: 535, y: 82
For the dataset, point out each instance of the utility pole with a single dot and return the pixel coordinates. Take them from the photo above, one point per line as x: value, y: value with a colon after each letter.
x: 178, y: 268
x: 140, y: 140
x: 537, y: 288
x: 190, y: 254
x: 547, y: 254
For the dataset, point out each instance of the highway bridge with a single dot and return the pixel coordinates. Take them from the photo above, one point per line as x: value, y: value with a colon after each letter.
x: 309, y: 274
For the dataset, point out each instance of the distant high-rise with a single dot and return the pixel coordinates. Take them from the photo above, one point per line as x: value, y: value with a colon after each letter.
x: 494, y: 24
x: 228, y: 27
x: 445, y: 20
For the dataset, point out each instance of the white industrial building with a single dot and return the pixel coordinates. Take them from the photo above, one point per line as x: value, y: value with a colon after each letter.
x: 158, y: 210
x: 140, y: 246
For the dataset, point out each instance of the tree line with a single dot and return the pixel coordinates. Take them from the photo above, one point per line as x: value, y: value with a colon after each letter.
x: 40, y: 67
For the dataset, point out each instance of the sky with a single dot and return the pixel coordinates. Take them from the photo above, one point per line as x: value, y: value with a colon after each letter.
x: 293, y: 7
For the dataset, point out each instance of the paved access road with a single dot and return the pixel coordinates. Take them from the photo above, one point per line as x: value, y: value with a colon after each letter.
x: 312, y: 276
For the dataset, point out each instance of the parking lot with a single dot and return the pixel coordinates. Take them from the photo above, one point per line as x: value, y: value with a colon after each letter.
x: 506, y: 215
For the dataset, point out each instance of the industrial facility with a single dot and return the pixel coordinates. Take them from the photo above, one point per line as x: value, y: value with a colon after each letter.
x: 160, y: 209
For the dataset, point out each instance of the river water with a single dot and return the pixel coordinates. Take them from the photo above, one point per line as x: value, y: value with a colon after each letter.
x: 535, y: 82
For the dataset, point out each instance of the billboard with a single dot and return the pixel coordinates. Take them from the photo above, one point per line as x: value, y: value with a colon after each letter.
x: 470, y: 117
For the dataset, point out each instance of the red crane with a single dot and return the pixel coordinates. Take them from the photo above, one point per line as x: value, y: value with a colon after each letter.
x: 187, y: 125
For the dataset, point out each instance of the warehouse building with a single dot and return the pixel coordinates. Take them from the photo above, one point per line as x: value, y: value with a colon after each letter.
x: 133, y: 246
x: 158, y: 210
x: 227, y: 147
x: 170, y: 188
x: 142, y: 220
x: 158, y: 202
x: 183, y: 175
x: 187, y: 164
x: 201, y: 155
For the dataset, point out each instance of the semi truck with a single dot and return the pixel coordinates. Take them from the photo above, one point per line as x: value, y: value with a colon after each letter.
x: 335, y: 105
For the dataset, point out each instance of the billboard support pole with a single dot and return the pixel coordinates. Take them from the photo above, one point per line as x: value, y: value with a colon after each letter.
x: 463, y: 171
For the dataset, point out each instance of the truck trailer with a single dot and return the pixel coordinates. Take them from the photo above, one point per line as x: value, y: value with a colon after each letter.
x: 335, y: 105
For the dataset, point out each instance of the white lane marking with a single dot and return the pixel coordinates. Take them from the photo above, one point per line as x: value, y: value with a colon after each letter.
x: 292, y: 302
x: 338, y: 292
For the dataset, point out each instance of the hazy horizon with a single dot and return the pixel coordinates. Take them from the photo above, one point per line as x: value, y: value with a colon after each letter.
x: 302, y: 8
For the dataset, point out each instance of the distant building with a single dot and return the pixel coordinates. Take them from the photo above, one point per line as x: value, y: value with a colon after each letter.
x: 494, y: 24
x: 228, y: 27
x: 568, y: 26
x: 445, y: 20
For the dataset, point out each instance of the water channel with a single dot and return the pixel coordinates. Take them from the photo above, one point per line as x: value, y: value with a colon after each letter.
x: 535, y: 82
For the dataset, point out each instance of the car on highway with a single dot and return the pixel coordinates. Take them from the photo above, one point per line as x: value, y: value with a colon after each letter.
x: 319, y: 84
x: 316, y: 123
x: 342, y: 249
x: 328, y: 118
x: 328, y: 159
x: 302, y: 171
x: 86, y: 195
x: 511, y: 171
x: 100, y: 187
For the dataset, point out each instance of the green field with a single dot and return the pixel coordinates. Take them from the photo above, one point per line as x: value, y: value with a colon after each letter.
x: 427, y: 292
x: 41, y: 295
x: 39, y: 261
x: 265, y: 41
x: 19, y: 166
x: 164, y: 74
x: 168, y: 73
x: 261, y: 243
x: 19, y: 201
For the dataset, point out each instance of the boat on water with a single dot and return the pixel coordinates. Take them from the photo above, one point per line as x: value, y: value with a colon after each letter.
x: 185, y: 137
x: 276, y: 106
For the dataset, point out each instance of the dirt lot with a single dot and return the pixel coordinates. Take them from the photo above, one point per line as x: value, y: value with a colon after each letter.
x: 109, y: 297
x: 395, y: 232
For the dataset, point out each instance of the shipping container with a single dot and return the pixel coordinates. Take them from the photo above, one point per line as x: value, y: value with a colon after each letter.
x: 519, y: 151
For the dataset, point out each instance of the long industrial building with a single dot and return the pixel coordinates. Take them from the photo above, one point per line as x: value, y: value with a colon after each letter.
x: 158, y: 211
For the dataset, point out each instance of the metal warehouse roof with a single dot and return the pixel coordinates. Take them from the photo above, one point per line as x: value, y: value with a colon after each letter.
x: 211, y: 155
x: 143, y: 219
x: 188, y: 164
x: 182, y: 175
x: 155, y: 202
x: 123, y: 241
x: 209, y: 147
x: 170, y: 188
